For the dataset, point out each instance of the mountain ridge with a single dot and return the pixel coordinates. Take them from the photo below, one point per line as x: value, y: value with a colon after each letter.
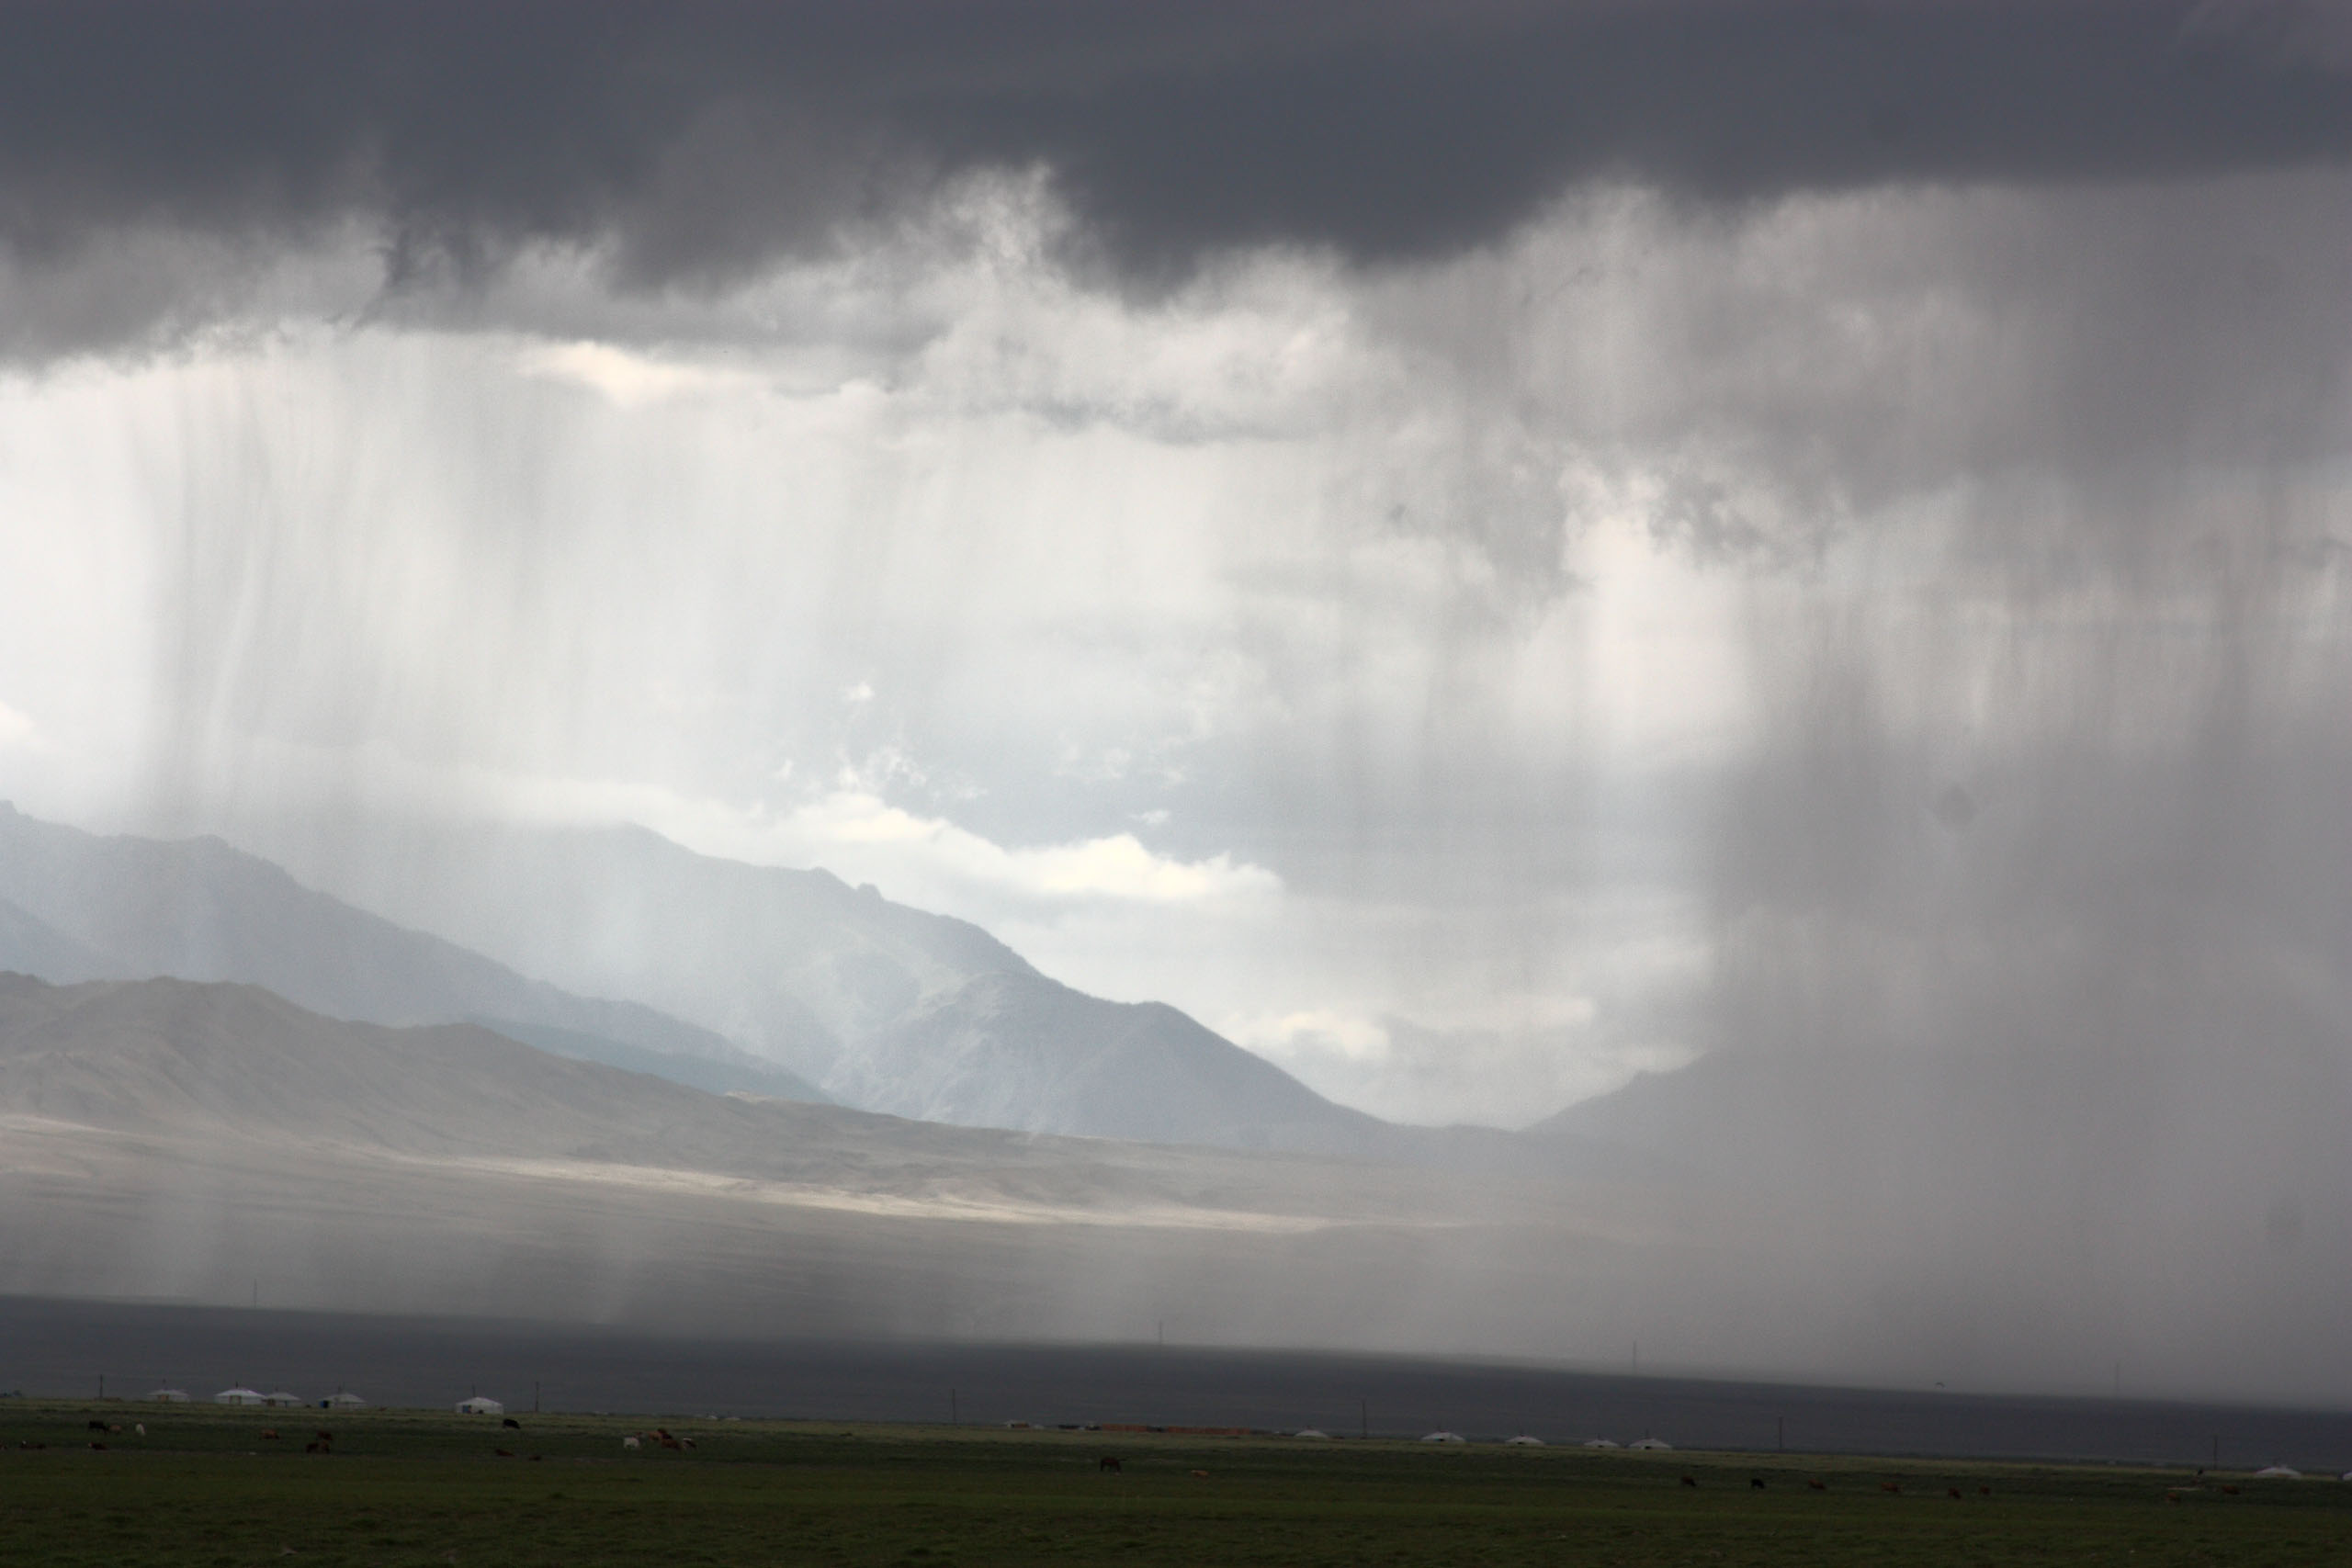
x: 201, y: 909
x: 878, y: 1003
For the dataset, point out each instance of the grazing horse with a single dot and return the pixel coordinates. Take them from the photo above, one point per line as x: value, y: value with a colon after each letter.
x: 1952, y: 1492
x: 1111, y: 1463
x: 510, y: 1421
x: 1818, y: 1486
x: 1893, y: 1488
x: 1691, y: 1481
x: 631, y: 1443
x: 1755, y: 1483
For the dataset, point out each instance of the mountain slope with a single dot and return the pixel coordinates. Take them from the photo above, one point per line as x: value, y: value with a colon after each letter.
x: 163, y: 1138
x: 885, y: 1007
x: 794, y: 965
x: 32, y: 946
x: 199, y: 909
x: 1020, y: 1050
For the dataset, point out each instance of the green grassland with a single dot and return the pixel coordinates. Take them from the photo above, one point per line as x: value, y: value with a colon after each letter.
x: 204, y: 1486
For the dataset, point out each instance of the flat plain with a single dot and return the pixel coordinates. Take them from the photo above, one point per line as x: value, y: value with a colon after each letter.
x: 206, y: 1485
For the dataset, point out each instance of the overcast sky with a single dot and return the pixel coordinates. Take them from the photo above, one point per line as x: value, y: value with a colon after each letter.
x: 1476, y: 548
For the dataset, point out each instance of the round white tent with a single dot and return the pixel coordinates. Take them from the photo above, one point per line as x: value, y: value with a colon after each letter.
x: 481, y: 1405
x: 241, y: 1397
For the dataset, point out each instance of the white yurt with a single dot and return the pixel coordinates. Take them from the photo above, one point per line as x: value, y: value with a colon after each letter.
x: 2278, y: 1473
x: 339, y: 1400
x: 284, y: 1399
x: 1523, y: 1441
x: 1443, y: 1438
x: 481, y: 1405
x: 241, y: 1397
x: 169, y: 1397
x: 1598, y: 1443
x: 1651, y: 1443
x: 1312, y: 1432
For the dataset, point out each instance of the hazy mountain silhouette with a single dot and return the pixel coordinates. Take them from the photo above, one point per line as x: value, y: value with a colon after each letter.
x: 32, y: 946
x: 81, y: 906
x: 165, y: 1138
x: 1020, y: 1050
x: 883, y: 1006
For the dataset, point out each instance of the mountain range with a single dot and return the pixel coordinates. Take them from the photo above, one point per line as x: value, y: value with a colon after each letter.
x: 620, y: 946
x: 167, y: 1138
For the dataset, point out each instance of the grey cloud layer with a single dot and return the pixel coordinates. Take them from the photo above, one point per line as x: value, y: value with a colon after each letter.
x: 702, y: 139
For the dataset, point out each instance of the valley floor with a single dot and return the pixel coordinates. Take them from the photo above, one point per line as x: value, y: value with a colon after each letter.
x: 206, y: 1485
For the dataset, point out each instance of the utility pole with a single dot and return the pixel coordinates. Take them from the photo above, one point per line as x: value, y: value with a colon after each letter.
x: 1782, y: 1422
x: 954, y: 1418
x: 534, y: 1396
x: 1366, y: 1411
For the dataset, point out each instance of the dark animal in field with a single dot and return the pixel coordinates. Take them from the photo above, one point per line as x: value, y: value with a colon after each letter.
x: 314, y: 1447
x: 270, y: 1434
x: 327, y: 1437
x: 1755, y: 1483
x: 1952, y: 1492
x: 2171, y: 1495
x: 1111, y: 1463
x: 535, y: 1459
x: 100, y: 1447
x: 1818, y: 1486
x: 1984, y: 1491
x: 1690, y: 1481
x: 510, y: 1421
x: 1202, y: 1473
x: 1895, y: 1487
x: 504, y: 1453
x: 96, y: 1426
x: 2231, y: 1490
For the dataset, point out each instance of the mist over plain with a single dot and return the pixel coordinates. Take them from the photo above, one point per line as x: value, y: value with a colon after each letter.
x: 1762, y: 585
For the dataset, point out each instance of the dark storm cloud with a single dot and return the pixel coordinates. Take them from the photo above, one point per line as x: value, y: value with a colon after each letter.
x: 703, y: 137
